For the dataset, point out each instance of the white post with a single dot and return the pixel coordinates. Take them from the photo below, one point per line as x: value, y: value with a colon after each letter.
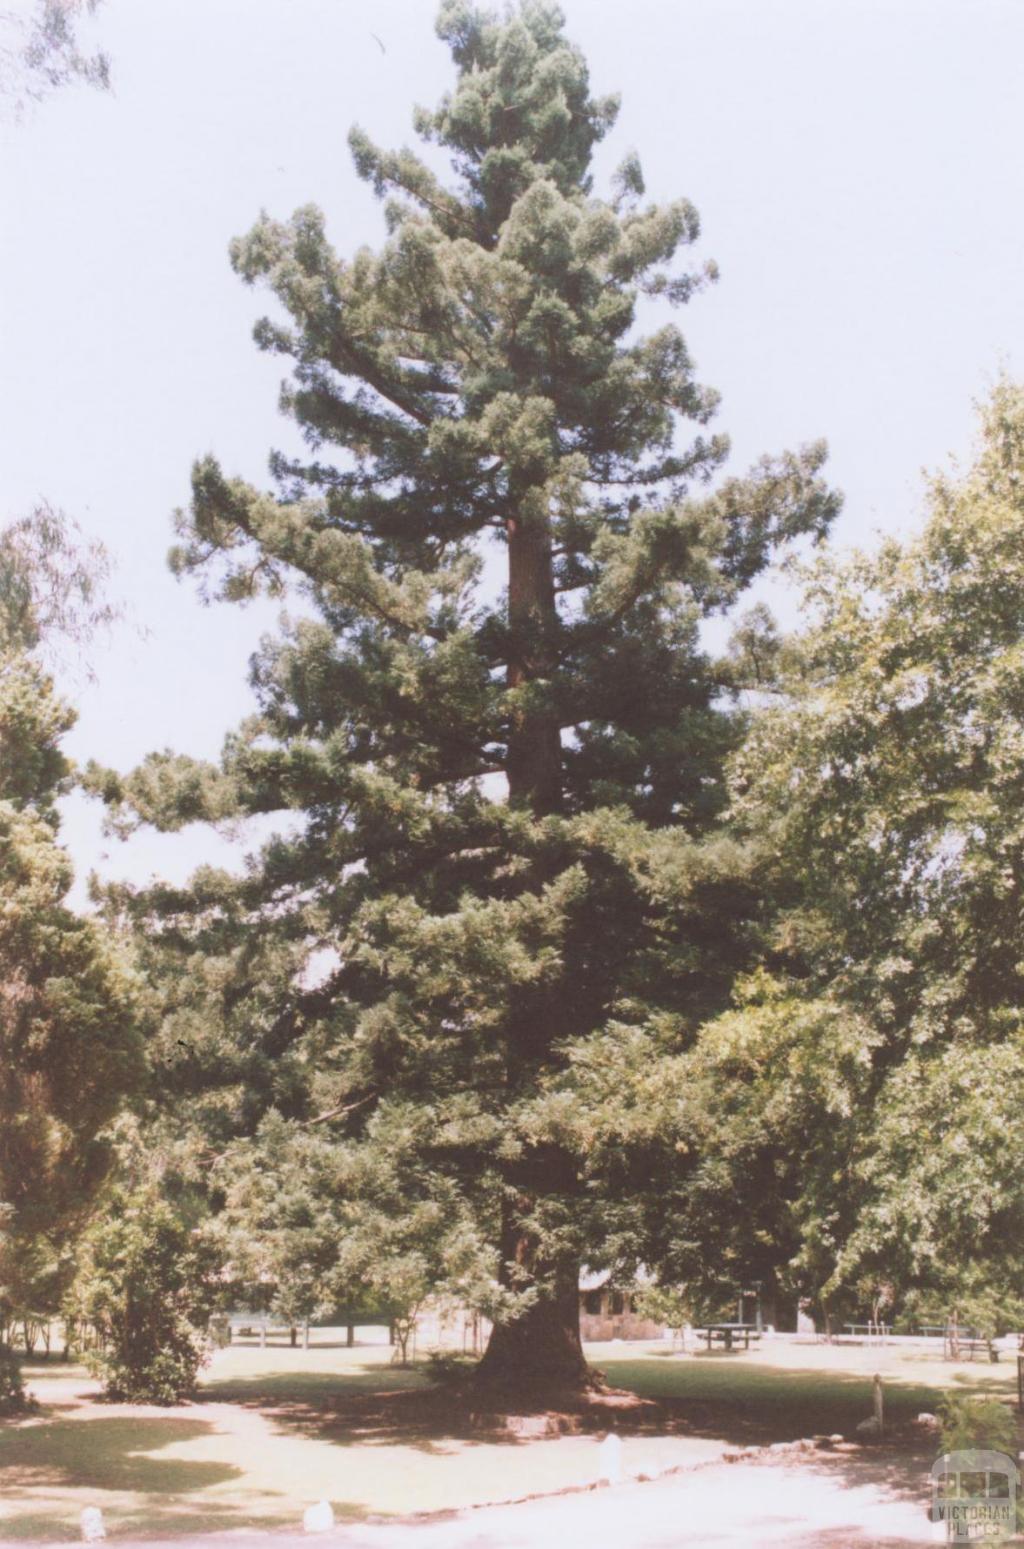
x: 610, y: 1465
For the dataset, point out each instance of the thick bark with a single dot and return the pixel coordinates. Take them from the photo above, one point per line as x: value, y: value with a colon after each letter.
x: 540, y: 1349
x: 534, y: 765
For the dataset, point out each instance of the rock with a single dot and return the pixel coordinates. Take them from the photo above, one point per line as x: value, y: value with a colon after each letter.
x: 645, y: 1471
x: 93, y: 1529
x: 927, y: 1422
x: 318, y: 1518
x: 837, y: 1436
x: 531, y: 1425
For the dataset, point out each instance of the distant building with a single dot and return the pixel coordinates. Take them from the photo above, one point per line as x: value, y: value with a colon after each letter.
x: 609, y: 1314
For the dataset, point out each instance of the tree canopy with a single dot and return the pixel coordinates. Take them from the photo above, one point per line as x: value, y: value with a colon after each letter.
x: 867, y: 1076
x: 68, y: 1036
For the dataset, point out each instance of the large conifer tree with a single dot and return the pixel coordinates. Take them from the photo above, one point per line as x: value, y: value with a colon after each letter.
x: 507, y: 794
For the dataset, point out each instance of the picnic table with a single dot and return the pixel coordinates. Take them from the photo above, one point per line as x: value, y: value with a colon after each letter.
x: 964, y: 1341
x: 725, y: 1332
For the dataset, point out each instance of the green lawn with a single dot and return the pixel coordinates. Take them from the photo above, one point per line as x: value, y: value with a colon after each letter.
x: 263, y: 1442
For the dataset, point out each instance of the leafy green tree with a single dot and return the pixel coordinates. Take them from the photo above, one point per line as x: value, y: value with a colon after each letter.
x: 279, y: 1223
x: 869, y: 1077
x: 491, y: 722
x: 148, y: 1283
x: 68, y: 1038
x: 671, y: 1306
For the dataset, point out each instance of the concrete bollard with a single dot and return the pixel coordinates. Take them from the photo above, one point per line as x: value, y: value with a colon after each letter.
x: 93, y: 1529
x: 610, y: 1463
x: 318, y: 1518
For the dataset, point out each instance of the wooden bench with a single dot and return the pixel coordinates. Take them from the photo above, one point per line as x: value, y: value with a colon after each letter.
x: 976, y: 1347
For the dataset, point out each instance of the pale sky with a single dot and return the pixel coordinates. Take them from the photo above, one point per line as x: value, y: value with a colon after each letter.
x: 858, y: 169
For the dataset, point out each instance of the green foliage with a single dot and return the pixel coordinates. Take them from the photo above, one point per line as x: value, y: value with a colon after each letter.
x: 499, y: 876
x: 148, y: 1284
x: 69, y: 1044
x: 984, y: 1424
x: 13, y: 1398
x: 857, y: 1107
x: 52, y: 583
x: 446, y: 1367
x: 671, y: 1306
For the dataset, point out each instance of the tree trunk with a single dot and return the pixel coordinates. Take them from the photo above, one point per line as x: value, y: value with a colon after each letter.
x: 534, y: 766
x: 542, y: 1349
x: 350, y: 1335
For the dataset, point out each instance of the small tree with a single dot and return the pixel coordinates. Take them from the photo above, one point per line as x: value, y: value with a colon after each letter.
x: 671, y: 1306
x: 148, y: 1286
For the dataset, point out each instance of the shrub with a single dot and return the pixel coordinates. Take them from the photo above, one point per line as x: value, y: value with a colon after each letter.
x: 13, y: 1398
x: 448, y: 1366
x: 983, y: 1424
x: 148, y: 1286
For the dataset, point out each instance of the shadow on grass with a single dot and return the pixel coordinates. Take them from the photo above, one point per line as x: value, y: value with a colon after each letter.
x: 312, y: 1385
x: 106, y: 1455
x: 717, y: 1395
x: 741, y: 1402
x: 990, y: 1384
x: 58, y: 1525
x: 421, y: 1417
x: 173, y: 1519
x: 47, y: 1463
x: 712, y: 1396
